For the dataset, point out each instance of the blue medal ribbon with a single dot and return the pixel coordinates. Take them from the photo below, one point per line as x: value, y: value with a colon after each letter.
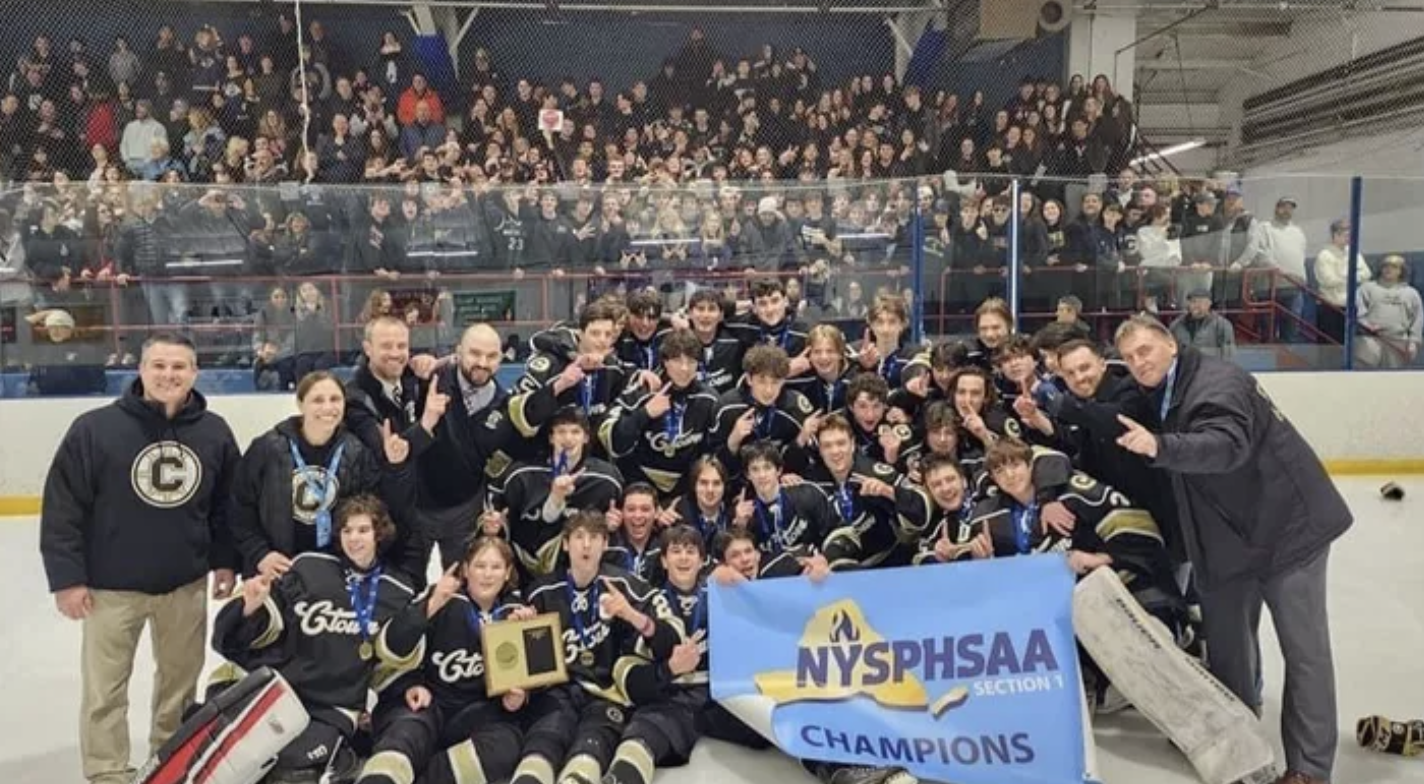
x: 763, y: 423
x: 649, y: 357
x: 576, y: 617
x: 771, y: 525
x: 323, y: 514
x: 561, y: 464
x: 1024, y: 519
x: 365, y: 609
x: 890, y: 370
x: 586, y: 391
x: 473, y: 616
x: 783, y: 335
x: 1167, y: 393
x: 703, y: 363
x: 699, y: 613
x: 833, y: 392
x: 845, y: 502
x: 672, y: 421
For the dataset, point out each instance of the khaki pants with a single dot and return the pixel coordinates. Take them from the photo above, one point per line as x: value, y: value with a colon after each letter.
x: 178, y: 631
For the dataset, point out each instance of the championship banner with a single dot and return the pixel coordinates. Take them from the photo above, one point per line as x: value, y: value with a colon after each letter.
x: 964, y: 673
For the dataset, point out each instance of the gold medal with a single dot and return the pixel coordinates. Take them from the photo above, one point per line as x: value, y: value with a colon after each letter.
x: 366, y: 651
x: 586, y: 658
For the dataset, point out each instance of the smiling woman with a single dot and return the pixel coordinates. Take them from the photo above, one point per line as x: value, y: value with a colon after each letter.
x: 292, y: 477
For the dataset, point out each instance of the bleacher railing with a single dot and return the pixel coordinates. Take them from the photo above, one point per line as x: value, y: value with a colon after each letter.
x: 273, y: 281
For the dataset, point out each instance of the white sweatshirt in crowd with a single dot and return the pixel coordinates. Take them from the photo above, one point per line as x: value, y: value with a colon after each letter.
x: 1393, y: 310
x: 1332, y: 271
x: 1156, y: 249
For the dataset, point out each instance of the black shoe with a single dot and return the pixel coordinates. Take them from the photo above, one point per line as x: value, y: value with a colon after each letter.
x: 847, y: 774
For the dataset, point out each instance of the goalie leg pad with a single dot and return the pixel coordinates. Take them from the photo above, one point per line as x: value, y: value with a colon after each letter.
x: 1220, y: 736
x: 234, y: 738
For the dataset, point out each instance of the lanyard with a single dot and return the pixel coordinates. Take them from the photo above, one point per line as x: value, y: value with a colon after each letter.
x: 648, y: 357
x: 576, y: 616
x: 1024, y: 519
x: 365, y: 609
x: 833, y: 393
x: 1167, y: 393
x: 561, y: 464
x: 783, y: 335
x: 772, y: 532
x: 323, y: 514
x: 633, y: 560
x: 586, y: 391
x: 710, y: 527
x: 476, y: 618
x: 704, y: 362
x: 672, y: 422
x: 845, y: 502
x: 699, y: 611
x: 890, y: 370
x: 763, y: 422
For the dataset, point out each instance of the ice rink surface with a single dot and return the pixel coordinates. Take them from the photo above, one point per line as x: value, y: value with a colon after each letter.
x: 1376, y: 611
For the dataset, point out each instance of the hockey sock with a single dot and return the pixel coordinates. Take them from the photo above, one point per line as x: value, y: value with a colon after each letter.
x: 533, y: 770
x: 387, y: 767
x: 1402, y: 738
x: 581, y: 769
x: 632, y: 764
x: 459, y: 764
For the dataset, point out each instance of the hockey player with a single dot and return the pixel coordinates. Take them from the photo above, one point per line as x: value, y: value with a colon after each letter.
x: 674, y: 702
x: 720, y: 361
x: 324, y: 626
x: 587, y: 376
x: 982, y: 421
x: 877, y: 439
x: 637, y: 347
x: 771, y: 323
x: 949, y: 536
x: 883, y: 515
x: 294, y: 475
x: 831, y: 370
x: 763, y: 409
x: 537, y: 498
x: 631, y: 544
x: 1107, y: 529
x: 655, y: 435
x: 706, y: 506
x: 926, y: 378
x: 573, y: 729
x: 448, y: 728
x: 799, y: 517
x: 941, y: 437
x: 883, y: 351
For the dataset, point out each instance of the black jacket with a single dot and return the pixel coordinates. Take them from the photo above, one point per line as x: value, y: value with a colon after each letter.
x: 1088, y: 431
x: 266, y: 515
x: 367, y: 407
x: 1253, y: 499
x: 470, y: 449
x: 135, y: 501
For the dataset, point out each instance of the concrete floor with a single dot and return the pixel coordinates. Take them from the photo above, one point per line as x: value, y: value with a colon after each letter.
x: 1376, y: 612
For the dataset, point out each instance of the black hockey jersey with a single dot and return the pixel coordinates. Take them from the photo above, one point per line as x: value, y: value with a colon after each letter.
x: 1106, y: 522
x: 877, y: 531
x: 534, y: 402
x: 780, y: 423
x: 522, y: 495
x: 645, y: 563
x: 801, y: 517
x: 720, y: 364
x: 790, y: 334
x: 660, y: 451
x: 593, y: 644
x: 453, y: 668
x: 825, y: 396
x: 308, y: 631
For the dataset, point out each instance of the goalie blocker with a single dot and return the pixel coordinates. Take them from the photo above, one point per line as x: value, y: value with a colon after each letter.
x: 234, y: 738
x: 1220, y: 736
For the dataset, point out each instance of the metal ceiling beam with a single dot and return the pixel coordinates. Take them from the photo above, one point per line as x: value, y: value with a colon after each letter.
x: 1166, y: 64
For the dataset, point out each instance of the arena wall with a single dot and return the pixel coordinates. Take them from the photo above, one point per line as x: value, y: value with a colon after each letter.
x: 1360, y: 423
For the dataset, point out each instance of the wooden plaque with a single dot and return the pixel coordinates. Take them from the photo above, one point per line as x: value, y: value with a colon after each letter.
x: 523, y: 654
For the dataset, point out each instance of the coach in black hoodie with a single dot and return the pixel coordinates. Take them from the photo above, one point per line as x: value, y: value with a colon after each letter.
x: 134, y: 518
